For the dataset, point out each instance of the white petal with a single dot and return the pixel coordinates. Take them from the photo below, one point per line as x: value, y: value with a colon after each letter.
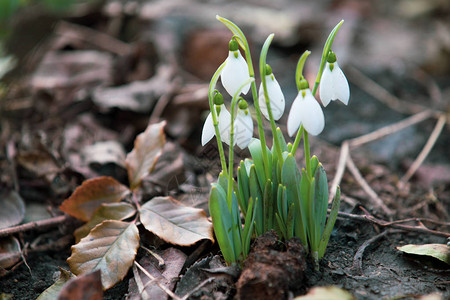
x: 208, y: 130
x: 294, y: 118
x: 235, y: 73
x: 224, y: 124
x: 341, y: 88
x: 333, y: 85
x: 311, y: 115
x: 326, y: 86
x: 276, y: 97
x: 244, y: 129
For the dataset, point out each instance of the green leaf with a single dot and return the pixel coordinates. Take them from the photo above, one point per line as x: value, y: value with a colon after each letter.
x: 320, y: 202
x: 438, y: 251
x: 174, y: 222
x: 268, y: 206
x: 110, y: 247
x: 258, y: 161
x: 248, y: 228
x: 330, y: 222
x: 243, y: 188
x: 222, y: 222
x: 291, y: 178
x: 256, y: 193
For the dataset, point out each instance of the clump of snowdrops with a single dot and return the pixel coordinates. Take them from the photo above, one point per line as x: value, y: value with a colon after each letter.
x: 269, y: 190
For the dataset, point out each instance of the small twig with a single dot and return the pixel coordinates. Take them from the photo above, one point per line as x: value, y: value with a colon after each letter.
x: 162, y: 286
x: 357, y: 259
x: 99, y: 39
x: 366, y: 187
x: 10, y: 154
x: 390, y: 129
x: 382, y: 223
x: 37, y: 225
x: 339, y: 170
x: 381, y: 94
x: 425, y: 151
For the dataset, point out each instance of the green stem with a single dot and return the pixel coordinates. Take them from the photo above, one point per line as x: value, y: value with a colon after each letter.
x: 242, y: 40
x: 212, y: 86
x: 307, y: 155
x: 262, y: 68
x: 234, y: 101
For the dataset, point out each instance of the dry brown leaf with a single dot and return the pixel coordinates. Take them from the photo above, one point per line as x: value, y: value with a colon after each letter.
x: 9, y: 252
x: 12, y: 209
x: 91, y: 194
x: 110, y: 247
x: 106, y: 211
x: 174, y: 222
x: 52, y: 291
x: 87, y: 286
x: 147, y: 149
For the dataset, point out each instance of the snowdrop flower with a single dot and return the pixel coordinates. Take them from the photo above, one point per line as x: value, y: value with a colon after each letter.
x: 244, y: 125
x: 224, y: 120
x: 333, y: 85
x: 235, y: 72
x: 307, y: 111
x: 275, y: 95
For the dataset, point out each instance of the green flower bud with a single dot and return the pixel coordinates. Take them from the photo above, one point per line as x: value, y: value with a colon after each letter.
x: 331, y: 57
x: 233, y: 45
x: 304, y: 84
x: 268, y: 70
x: 242, y: 104
x: 218, y: 98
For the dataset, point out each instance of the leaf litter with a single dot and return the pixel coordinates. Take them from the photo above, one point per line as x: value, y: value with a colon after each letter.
x: 84, y: 122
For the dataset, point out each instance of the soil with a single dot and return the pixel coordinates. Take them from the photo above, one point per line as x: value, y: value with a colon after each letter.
x: 51, y: 112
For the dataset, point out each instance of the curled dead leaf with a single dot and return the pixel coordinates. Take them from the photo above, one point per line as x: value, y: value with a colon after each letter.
x: 147, y: 148
x: 174, y: 222
x: 91, y: 194
x: 88, y: 286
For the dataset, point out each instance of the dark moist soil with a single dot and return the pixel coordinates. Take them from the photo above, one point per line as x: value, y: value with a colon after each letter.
x: 277, y: 270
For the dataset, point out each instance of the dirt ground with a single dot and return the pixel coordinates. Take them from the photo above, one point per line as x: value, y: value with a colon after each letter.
x: 104, y: 71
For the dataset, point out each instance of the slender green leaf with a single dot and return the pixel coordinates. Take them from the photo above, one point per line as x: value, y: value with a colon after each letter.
x: 330, y: 222
x: 222, y: 222
x: 256, y: 193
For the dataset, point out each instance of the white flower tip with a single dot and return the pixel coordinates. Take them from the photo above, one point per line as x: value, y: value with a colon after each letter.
x: 208, y: 131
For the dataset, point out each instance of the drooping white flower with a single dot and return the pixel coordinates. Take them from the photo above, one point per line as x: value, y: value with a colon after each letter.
x: 307, y: 111
x: 224, y: 120
x: 244, y: 125
x: 276, y: 97
x: 235, y: 72
x: 333, y: 84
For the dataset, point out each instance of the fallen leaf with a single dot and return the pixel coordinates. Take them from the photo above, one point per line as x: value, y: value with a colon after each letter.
x: 103, y: 153
x: 12, y: 209
x: 175, y: 223
x: 65, y: 69
x: 438, y: 251
x: 52, y: 291
x: 326, y: 293
x: 110, y: 247
x: 40, y: 163
x: 88, y: 286
x: 10, y: 252
x: 137, y: 96
x: 166, y: 274
x: 106, y: 211
x: 147, y: 149
x: 91, y: 194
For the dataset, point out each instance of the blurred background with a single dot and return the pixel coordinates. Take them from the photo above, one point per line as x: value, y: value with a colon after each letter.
x: 119, y: 59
